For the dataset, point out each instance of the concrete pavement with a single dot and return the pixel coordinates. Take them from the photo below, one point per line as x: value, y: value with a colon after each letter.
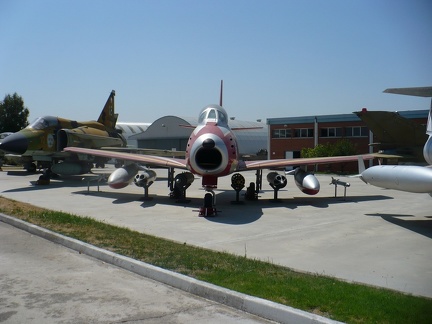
x: 43, y: 282
x: 375, y: 236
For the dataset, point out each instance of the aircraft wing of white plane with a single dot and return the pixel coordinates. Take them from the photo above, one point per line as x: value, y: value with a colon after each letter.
x: 409, y: 178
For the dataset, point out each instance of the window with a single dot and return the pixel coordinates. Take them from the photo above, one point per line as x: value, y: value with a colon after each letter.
x: 281, y: 133
x: 356, y: 131
x: 222, y: 117
x: 44, y: 122
x: 331, y: 132
x: 212, y: 114
x: 303, y: 132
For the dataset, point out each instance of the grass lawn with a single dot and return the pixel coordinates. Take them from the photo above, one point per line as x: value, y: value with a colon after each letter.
x: 330, y: 297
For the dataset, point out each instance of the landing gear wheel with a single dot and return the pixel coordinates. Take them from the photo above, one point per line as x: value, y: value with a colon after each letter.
x: 44, y: 179
x: 31, y: 168
x: 208, y: 209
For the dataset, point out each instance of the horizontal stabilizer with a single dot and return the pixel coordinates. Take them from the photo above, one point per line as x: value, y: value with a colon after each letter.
x: 415, y: 91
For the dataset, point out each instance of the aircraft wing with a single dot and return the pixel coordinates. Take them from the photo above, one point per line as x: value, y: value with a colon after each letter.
x: 145, y: 159
x: 415, y: 91
x: 158, y: 152
x: 280, y: 163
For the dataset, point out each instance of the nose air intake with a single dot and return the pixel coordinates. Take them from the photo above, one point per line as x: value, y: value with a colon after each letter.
x: 208, y: 157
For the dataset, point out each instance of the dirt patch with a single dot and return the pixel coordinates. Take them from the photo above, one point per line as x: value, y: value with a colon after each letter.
x: 15, y: 208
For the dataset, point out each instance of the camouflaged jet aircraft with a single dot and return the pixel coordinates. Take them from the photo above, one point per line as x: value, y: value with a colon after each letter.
x: 40, y: 145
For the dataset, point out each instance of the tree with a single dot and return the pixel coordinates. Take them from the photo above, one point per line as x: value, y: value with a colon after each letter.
x: 339, y: 148
x: 13, y: 114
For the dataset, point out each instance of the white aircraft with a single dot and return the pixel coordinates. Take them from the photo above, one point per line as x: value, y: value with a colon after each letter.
x: 211, y: 152
x: 416, y: 179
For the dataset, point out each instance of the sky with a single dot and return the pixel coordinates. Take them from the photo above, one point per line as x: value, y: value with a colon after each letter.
x: 278, y: 58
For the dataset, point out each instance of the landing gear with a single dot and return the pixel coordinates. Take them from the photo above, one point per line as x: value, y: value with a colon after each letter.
x: 100, y: 165
x: 251, y: 193
x: 45, y: 178
x: 30, y: 167
x: 209, y: 208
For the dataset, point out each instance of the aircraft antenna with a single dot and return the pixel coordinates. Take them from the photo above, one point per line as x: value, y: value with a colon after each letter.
x: 221, y: 94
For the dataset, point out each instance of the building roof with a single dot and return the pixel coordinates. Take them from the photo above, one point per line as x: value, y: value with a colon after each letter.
x: 173, y: 126
x: 411, y: 114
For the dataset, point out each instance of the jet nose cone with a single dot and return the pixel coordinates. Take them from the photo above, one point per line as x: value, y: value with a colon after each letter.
x: 208, y: 143
x: 311, y: 185
x: 16, y: 143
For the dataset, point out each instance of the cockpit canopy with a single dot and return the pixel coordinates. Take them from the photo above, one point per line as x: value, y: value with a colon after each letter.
x: 44, y: 122
x: 215, y: 114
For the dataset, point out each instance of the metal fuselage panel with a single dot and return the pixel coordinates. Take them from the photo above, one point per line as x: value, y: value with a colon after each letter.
x: 414, y: 179
x: 427, y: 151
x: 45, y: 141
x: 212, y: 152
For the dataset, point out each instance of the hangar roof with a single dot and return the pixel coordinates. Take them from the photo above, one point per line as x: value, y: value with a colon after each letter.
x: 411, y: 114
x: 173, y: 127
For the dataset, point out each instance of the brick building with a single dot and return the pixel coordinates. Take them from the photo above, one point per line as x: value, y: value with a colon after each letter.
x: 289, y: 135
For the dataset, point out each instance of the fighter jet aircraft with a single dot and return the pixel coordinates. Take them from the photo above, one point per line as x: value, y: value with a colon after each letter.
x: 411, y: 178
x: 41, y: 143
x: 2, y: 137
x: 211, y: 152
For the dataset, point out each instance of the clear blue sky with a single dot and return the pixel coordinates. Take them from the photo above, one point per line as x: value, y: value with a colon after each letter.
x: 167, y: 57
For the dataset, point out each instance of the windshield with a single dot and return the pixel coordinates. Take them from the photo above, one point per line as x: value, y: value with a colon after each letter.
x: 213, y: 113
x: 43, y: 122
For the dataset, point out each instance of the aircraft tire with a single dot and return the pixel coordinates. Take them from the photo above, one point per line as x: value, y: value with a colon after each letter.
x: 208, y: 200
x: 31, y: 168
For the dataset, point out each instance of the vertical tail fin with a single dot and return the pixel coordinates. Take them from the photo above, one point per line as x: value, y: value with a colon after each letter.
x: 108, y: 117
x: 221, y: 94
x: 361, y: 165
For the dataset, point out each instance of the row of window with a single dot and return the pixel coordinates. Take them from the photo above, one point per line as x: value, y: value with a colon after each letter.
x: 353, y: 131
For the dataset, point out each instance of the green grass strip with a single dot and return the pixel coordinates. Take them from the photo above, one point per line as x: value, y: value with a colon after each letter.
x: 330, y: 297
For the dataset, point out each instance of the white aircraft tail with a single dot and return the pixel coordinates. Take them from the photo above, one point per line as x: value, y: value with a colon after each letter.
x: 361, y: 168
x: 361, y: 165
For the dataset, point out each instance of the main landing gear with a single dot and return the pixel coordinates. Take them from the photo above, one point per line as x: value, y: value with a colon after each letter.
x: 180, y: 183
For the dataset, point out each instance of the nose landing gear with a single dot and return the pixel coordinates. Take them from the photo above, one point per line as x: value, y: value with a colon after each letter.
x: 209, y: 209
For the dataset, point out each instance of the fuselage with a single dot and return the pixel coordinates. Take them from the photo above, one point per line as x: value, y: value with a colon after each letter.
x: 42, y: 137
x: 212, y: 149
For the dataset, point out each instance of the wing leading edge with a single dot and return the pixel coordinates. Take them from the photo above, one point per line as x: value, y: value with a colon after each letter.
x: 280, y: 163
x: 243, y: 165
x: 147, y: 159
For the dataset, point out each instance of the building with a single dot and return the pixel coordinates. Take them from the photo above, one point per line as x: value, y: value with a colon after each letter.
x: 130, y: 129
x: 289, y: 135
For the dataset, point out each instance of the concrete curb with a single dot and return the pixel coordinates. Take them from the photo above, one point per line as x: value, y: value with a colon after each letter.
x: 253, y: 305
